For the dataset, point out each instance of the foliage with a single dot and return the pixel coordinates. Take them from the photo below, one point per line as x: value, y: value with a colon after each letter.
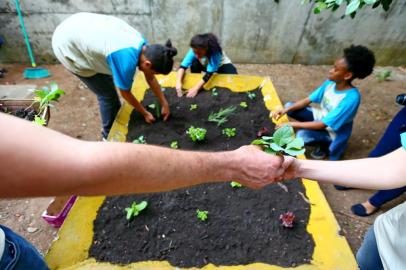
x: 243, y: 104
x: 214, y: 92
x: 174, y: 145
x: 202, y: 215
x: 287, y: 219
x: 383, y: 75
x: 229, y: 132
x: 157, y: 107
x: 282, y: 142
x: 44, y: 98
x: 196, y: 133
x: 135, y: 209
x: 234, y: 184
x: 352, y: 6
x: 193, y: 107
x: 140, y: 140
x: 251, y: 95
x: 222, y: 115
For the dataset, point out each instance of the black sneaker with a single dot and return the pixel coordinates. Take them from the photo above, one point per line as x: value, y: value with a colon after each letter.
x: 338, y: 187
x: 318, y: 153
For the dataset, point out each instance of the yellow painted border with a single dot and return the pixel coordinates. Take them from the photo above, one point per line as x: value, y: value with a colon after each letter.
x: 70, y: 250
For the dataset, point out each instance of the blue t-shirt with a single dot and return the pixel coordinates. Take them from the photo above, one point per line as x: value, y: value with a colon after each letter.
x: 337, y: 108
x: 403, y: 139
x: 212, y: 63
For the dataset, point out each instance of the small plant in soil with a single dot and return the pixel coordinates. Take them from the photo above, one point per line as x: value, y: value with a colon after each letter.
x: 234, y: 184
x: 155, y: 108
x: 140, y: 140
x: 383, y: 75
x: 174, y: 145
x: 287, y: 219
x: 135, y: 209
x: 214, y: 92
x: 243, y: 104
x: 251, y: 95
x: 193, y: 107
x: 263, y: 132
x: 229, y: 132
x: 202, y: 215
x: 196, y: 134
x: 222, y: 115
x: 282, y: 142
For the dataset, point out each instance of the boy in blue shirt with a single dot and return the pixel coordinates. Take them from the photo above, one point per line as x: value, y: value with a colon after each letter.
x: 328, y: 124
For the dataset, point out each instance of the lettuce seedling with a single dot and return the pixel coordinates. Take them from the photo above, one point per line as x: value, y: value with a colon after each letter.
x: 234, y: 184
x: 45, y: 98
x: 222, y: 115
x: 214, y: 92
x: 243, y: 104
x: 229, y: 132
x: 282, y: 142
x: 202, y: 215
x: 196, y: 134
x: 135, y: 209
x: 174, y: 145
x: 251, y: 95
x: 287, y: 219
x: 140, y: 140
x: 193, y: 107
x: 157, y: 107
x: 383, y: 75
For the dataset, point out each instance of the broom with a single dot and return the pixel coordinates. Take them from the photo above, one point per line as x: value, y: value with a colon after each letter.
x: 34, y: 72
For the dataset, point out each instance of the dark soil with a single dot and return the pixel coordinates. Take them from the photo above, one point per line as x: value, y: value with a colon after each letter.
x: 243, y: 225
x: 24, y: 113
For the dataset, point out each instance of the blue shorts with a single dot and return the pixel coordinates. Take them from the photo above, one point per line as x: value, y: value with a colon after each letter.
x: 19, y: 254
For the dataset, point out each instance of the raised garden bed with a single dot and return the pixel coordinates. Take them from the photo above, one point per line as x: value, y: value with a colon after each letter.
x: 243, y: 225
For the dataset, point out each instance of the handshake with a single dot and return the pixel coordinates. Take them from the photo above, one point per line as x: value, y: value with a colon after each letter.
x: 255, y: 168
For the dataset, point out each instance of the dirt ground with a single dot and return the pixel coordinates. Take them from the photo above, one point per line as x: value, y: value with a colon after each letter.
x: 77, y: 115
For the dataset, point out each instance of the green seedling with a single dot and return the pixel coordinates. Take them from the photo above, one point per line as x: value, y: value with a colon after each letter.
x: 44, y: 98
x: 174, y: 145
x: 193, y: 107
x: 243, y: 104
x: 282, y: 142
x: 157, y: 107
x: 214, y: 92
x: 135, y: 209
x: 140, y: 140
x: 234, y: 184
x: 383, y: 75
x: 202, y: 215
x: 229, y: 132
x: 221, y: 116
x: 251, y: 95
x: 196, y: 134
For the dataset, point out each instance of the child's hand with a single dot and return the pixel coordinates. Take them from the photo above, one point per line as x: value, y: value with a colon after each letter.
x: 149, y: 118
x: 278, y: 114
x: 192, y: 92
x: 179, y: 91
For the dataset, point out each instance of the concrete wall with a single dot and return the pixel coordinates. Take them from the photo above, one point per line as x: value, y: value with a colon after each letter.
x: 251, y: 31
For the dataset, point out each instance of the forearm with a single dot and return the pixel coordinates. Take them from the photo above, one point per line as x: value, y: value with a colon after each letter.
x: 385, y: 172
x: 179, y: 75
x: 298, y: 105
x: 129, y: 97
x: 199, y: 85
x: 315, y: 125
x: 156, y: 88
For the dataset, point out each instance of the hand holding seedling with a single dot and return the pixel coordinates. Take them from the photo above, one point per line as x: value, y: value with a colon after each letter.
x: 192, y: 92
x: 148, y: 117
x: 165, y: 112
x: 276, y: 115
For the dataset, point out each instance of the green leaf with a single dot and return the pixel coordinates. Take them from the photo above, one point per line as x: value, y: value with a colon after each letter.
x: 235, y: 184
x: 294, y: 152
x: 141, y: 206
x: 369, y: 2
x: 297, y: 143
x: 276, y: 147
x: 174, y: 145
x: 258, y: 142
x: 352, y: 7
x: 39, y: 121
x: 151, y: 106
x: 283, y: 135
x: 269, y: 151
x: 130, y: 212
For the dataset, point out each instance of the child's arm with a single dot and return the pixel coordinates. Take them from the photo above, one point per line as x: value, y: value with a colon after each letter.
x: 195, y: 89
x: 179, y: 78
x: 296, y: 106
x: 156, y: 88
x: 129, y: 97
x: 316, y: 125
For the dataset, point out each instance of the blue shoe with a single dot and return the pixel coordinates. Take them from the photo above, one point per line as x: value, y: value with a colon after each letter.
x: 338, y: 187
x: 359, y: 210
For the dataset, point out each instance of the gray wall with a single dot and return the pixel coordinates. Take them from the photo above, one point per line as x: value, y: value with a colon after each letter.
x: 251, y: 31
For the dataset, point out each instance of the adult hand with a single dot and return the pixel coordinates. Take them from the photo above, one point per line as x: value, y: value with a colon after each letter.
x: 256, y: 168
x: 178, y: 87
x: 192, y: 92
x: 291, y: 168
x: 165, y: 110
x: 278, y: 114
x: 149, y: 118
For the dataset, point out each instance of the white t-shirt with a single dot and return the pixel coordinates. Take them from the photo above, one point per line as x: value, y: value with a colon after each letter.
x: 2, y: 243
x: 89, y: 43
